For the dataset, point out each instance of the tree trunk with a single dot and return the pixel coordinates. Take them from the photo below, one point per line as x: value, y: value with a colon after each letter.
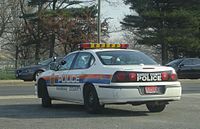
x: 164, y: 53
x: 16, y: 57
x: 175, y: 52
x: 52, y: 45
x: 37, y: 52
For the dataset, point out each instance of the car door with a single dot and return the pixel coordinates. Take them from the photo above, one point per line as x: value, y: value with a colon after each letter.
x: 185, y: 68
x: 60, y: 78
x: 80, y: 67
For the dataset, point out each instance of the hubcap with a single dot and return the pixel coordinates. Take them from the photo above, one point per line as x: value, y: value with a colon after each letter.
x: 37, y: 75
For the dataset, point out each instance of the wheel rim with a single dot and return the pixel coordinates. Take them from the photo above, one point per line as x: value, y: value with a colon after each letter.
x: 37, y: 75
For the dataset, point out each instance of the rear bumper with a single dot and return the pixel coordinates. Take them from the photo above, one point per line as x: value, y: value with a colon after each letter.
x: 130, y: 93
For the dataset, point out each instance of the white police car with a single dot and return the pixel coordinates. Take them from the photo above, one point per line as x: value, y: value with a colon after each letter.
x: 100, y: 74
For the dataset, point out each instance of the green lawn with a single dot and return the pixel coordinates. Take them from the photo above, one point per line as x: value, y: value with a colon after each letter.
x: 7, y: 74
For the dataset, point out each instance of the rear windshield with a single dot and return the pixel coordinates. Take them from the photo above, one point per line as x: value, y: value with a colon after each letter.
x: 124, y: 58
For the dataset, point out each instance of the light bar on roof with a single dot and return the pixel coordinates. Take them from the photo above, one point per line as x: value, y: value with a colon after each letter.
x: 102, y: 46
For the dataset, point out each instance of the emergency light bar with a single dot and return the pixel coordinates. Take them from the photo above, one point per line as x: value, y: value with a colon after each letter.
x: 102, y: 46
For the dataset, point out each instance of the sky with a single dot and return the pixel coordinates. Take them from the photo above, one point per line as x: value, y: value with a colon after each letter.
x: 118, y: 10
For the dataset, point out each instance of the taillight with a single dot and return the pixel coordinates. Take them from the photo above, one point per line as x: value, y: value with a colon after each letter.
x: 132, y: 76
x: 168, y: 76
x: 120, y: 76
x: 124, y: 76
x: 165, y: 76
x: 173, y: 77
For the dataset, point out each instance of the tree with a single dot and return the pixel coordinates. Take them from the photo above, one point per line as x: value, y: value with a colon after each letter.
x: 9, y: 24
x: 171, y: 24
x: 41, y: 28
x: 69, y: 23
x: 49, y: 17
x: 5, y: 14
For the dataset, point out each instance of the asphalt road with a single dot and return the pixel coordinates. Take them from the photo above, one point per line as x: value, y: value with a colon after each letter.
x: 20, y: 109
x: 27, y: 88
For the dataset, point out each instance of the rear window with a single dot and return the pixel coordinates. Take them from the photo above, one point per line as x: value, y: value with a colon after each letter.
x: 124, y: 58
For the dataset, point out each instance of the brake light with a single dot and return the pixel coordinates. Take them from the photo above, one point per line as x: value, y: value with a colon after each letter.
x: 165, y: 76
x: 124, y: 76
x: 173, y: 77
x: 168, y: 76
x: 120, y: 76
x: 132, y: 76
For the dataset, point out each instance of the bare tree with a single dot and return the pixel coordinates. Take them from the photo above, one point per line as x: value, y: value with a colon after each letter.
x: 9, y: 16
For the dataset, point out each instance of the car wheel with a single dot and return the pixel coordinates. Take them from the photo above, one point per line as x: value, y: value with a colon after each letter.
x: 153, y: 107
x: 37, y: 74
x: 46, y: 100
x: 91, y: 100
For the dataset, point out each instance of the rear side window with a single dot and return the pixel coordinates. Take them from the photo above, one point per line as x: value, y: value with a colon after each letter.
x: 124, y: 58
x: 187, y: 62
x: 175, y: 62
x: 83, y: 61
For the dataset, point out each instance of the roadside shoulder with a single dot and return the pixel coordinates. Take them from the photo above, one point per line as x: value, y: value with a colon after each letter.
x: 190, y: 81
x: 16, y: 83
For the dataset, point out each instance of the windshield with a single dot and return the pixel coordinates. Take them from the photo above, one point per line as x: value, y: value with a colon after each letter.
x: 125, y: 58
x: 45, y: 62
x: 174, y: 62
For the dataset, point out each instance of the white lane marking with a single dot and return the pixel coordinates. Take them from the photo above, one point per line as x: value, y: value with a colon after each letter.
x: 18, y: 97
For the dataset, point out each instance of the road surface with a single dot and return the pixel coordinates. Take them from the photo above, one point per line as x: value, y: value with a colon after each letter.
x: 20, y: 109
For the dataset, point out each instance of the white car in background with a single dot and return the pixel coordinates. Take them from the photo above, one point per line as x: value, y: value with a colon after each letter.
x: 100, y: 74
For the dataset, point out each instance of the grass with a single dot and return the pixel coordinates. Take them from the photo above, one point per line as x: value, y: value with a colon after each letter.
x: 7, y: 74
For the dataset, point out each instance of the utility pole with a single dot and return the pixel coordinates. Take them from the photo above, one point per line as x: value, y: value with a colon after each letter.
x: 99, y: 22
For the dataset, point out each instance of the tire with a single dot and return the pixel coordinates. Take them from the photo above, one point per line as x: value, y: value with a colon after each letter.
x: 37, y: 74
x: 91, y: 100
x: 46, y: 100
x: 152, y: 107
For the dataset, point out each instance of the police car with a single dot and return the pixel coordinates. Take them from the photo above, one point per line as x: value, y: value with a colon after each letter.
x: 100, y: 74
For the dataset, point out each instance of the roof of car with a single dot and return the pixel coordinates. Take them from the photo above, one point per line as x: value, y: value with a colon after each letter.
x: 100, y: 50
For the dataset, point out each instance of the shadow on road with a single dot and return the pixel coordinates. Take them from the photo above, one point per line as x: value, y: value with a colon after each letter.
x: 31, y: 111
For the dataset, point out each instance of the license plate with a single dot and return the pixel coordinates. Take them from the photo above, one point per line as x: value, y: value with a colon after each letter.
x: 151, y: 89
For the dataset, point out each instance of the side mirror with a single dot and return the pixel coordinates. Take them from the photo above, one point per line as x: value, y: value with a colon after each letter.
x: 54, y: 66
x: 54, y: 59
